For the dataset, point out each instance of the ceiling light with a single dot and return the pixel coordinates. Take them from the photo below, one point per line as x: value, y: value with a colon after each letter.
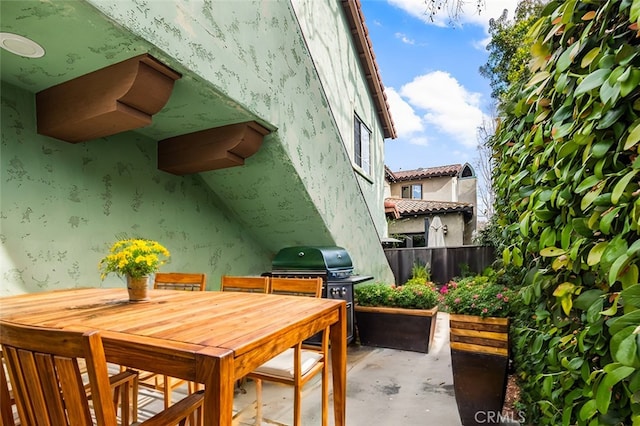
x: 19, y: 45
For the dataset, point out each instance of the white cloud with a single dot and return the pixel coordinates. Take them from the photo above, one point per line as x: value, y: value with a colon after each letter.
x: 405, y: 119
x: 469, y: 15
x: 448, y: 106
x: 404, y: 38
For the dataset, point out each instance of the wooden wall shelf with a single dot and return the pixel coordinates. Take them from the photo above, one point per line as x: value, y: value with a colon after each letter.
x: 114, y: 99
x: 210, y: 149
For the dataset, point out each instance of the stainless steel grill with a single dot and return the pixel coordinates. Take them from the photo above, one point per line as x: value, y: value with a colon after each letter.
x: 332, y: 264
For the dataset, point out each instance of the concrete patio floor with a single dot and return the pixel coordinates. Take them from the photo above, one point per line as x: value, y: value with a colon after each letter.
x: 384, y: 387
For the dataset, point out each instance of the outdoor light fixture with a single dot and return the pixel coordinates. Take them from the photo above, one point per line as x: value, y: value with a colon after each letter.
x: 20, y: 45
x: 445, y: 229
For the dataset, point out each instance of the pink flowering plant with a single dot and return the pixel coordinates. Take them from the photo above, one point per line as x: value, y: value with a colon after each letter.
x: 412, y: 295
x: 478, y: 295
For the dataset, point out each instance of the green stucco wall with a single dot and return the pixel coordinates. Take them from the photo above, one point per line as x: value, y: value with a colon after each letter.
x: 63, y: 204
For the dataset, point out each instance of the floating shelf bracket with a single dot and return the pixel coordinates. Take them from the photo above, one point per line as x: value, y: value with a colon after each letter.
x: 210, y: 149
x: 114, y: 99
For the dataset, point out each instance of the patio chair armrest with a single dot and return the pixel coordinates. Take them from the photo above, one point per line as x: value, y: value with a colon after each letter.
x: 177, y: 412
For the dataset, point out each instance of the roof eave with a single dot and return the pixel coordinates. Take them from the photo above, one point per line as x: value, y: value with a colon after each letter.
x: 367, y: 58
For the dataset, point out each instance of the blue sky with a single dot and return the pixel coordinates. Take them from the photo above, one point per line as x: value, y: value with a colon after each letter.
x: 437, y: 97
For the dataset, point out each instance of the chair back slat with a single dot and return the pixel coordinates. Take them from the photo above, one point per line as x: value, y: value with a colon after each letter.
x: 180, y: 281
x: 46, y: 380
x: 6, y: 398
x: 310, y: 287
x: 245, y: 284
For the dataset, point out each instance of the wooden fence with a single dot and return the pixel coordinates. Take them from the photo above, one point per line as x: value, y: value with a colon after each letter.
x: 444, y: 263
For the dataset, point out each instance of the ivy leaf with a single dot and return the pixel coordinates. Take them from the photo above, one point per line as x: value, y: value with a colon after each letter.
x: 592, y: 81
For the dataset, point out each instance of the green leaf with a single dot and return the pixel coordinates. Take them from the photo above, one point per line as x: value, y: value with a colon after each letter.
x: 590, y: 196
x: 631, y: 83
x: 588, y: 410
x: 589, y: 57
x: 609, y: 92
x: 587, y: 183
x: 610, y: 118
x: 618, y: 190
x: 551, y: 252
x: 517, y: 257
x: 617, y: 267
x: 626, y: 353
x: 629, y: 276
x: 587, y: 298
x: 618, y: 323
x: 634, y: 248
x: 601, y: 148
x: 634, y: 135
x: 603, y: 394
x: 607, y: 220
x: 592, y: 81
x: 631, y: 296
x: 634, y: 13
x: 596, y: 253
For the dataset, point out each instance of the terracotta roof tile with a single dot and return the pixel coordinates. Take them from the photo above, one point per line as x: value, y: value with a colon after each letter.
x: 406, y: 206
x: 428, y: 172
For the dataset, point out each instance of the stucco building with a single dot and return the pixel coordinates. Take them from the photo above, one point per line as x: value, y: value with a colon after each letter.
x: 433, y: 206
x: 224, y: 130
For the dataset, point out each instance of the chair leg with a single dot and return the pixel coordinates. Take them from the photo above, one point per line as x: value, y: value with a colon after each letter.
x: 325, y: 395
x: 297, y: 414
x: 258, y: 401
x: 167, y: 391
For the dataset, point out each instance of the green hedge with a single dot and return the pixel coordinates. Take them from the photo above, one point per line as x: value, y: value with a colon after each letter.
x: 567, y: 184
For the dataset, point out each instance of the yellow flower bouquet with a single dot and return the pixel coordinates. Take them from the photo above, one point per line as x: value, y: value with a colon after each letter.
x: 134, y: 257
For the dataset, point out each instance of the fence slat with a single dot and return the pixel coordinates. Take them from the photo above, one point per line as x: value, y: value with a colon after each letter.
x: 444, y: 263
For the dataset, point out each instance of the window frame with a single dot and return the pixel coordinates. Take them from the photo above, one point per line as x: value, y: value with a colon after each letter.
x: 410, y: 190
x: 361, y: 145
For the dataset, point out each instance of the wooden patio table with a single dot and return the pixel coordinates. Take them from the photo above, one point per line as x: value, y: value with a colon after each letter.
x: 207, y: 337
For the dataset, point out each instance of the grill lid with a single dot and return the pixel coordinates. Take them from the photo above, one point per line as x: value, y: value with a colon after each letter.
x: 310, y: 258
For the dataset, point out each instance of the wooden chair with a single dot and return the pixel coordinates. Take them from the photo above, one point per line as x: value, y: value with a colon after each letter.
x: 172, y: 281
x: 245, y: 284
x: 297, y: 365
x: 180, y: 281
x: 124, y: 387
x: 47, y: 383
x: 6, y: 399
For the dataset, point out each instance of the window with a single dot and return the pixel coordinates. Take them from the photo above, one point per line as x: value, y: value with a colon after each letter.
x: 362, y: 145
x: 412, y: 192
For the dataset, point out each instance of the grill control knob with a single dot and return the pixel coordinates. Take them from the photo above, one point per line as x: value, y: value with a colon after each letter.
x: 344, y: 291
x: 301, y: 254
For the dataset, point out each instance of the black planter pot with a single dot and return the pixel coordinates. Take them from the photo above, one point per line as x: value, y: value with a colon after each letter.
x: 396, y: 328
x: 480, y: 361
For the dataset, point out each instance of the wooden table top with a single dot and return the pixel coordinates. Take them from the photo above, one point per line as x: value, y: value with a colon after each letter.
x: 240, y: 322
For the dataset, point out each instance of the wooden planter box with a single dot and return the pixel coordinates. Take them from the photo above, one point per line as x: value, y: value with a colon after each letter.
x: 480, y: 361
x: 396, y: 328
